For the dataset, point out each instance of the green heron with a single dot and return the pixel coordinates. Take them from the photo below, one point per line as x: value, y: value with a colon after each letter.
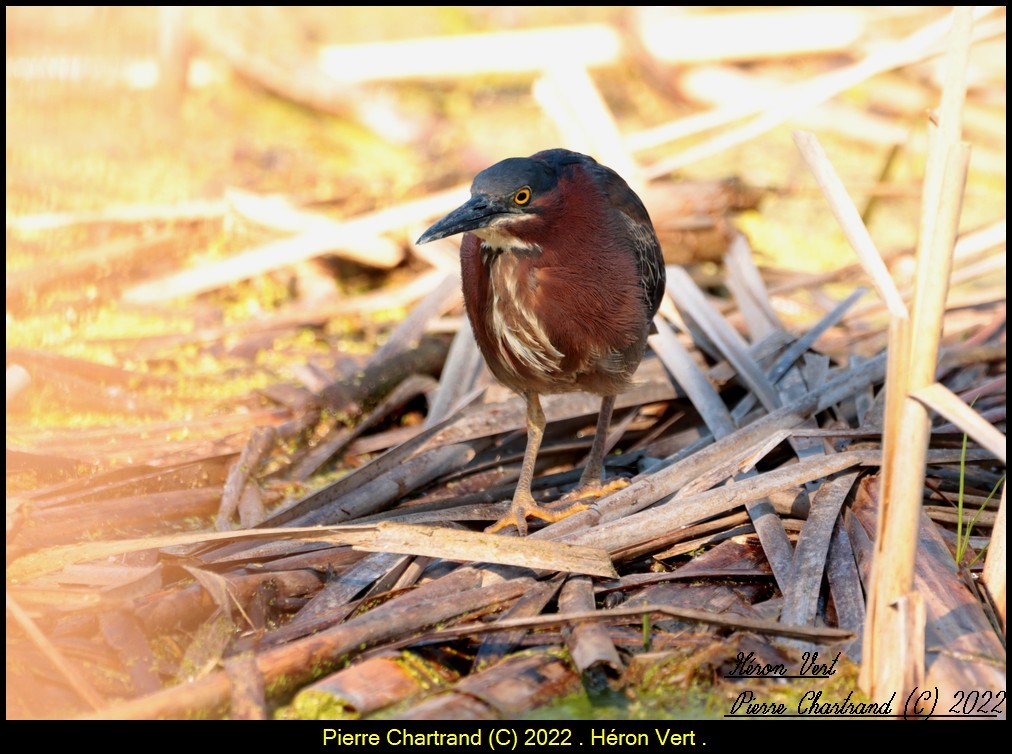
x: 562, y: 275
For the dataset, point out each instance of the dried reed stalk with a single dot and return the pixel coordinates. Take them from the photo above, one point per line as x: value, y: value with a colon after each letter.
x: 994, y: 577
x: 589, y: 645
x: 887, y: 664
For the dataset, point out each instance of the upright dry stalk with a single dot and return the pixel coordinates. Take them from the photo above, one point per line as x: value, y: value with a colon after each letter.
x: 891, y: 627
x: 994, y: 576
x: 893, y: 655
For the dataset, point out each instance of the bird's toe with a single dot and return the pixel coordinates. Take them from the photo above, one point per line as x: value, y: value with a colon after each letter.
x: 594, y: 490
x: 520, y: 511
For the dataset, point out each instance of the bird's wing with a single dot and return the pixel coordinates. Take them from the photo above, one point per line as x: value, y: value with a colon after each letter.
x: 645, y: 246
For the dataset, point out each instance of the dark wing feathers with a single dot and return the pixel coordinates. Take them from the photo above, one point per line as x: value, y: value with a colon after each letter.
x: 646, y: 247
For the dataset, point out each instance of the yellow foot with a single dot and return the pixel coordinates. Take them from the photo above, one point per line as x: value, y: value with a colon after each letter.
x: 594, y: 490
x: 520, y: 510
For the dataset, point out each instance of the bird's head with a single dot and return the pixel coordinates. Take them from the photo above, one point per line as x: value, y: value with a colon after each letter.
x: 509, y: 200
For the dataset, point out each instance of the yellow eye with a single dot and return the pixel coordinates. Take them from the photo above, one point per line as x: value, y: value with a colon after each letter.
x: 522, y: 196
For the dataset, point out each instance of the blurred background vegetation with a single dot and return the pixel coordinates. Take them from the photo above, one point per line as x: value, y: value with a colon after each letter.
x: 211, y: 210
x: 117, y: 174
x: 130, y: 131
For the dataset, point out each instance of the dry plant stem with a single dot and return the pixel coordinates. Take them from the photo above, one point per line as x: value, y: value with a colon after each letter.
x: 749, y: 292
x: 507, y: 690
x: 248, y: 264
x: 845, y: 588
x: 589, y: 645
x: 260, y: 443
x: 150, y: 512
x: 463, y: 364
x: 440, y: 542
x: 440, y: 299
x: 122, y: 631
x: 193, y: 209
x: 175, y: 51
x: 694, y: 305
x: 433, y: 541
x: 768, y: 627
x: 78, y: 683
x: 278, y: 214
x: 732, y: 466
x: 775, y: 543
x: 286, y: 666
x: 980, y: 519
x: 633, y: 530
x: 316, y: 313
x: 77, y: 390
x: 207, y: 647
x: 366, y: 387
x: 960, y: 649
x: 238, y: 35
x: 492, y: 53
x: 753, y: 34
x: 938, y: 397
x: 688, y: 546
x: 850, y: 221
x: 362, y: 476
x: 970, y: 243
x: 334, y: 601
x: 121, y: 254
x: 885, y: 669
x: 183, y: 607
x: 801, y: 597
x: 994, y: 577
x: 652, y: 386
x: 691, y: 378
x: 146, y: 443
x: 376, y: 682
x: 905, y: 441
x: 639, y: 527
x: 382, y: 491
x: 347, y: 586
x: 413, y: 386
x: 797, y: 349
x: 715, y: 413
x: 722, y: 86
x: 691, y: 538
x: 251, y: 506
x: 496, y: 646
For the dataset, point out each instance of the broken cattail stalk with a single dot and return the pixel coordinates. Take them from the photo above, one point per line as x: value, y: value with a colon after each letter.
x: 939, y: 398
x: 887, y: 666
x: 589, y: 645
x: 994, y: 577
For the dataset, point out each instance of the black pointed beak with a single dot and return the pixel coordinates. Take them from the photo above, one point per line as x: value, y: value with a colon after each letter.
x: 477, y: 212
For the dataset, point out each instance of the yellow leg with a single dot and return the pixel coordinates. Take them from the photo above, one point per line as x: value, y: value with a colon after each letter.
x: 591, y: 485
x: 524, y: 504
